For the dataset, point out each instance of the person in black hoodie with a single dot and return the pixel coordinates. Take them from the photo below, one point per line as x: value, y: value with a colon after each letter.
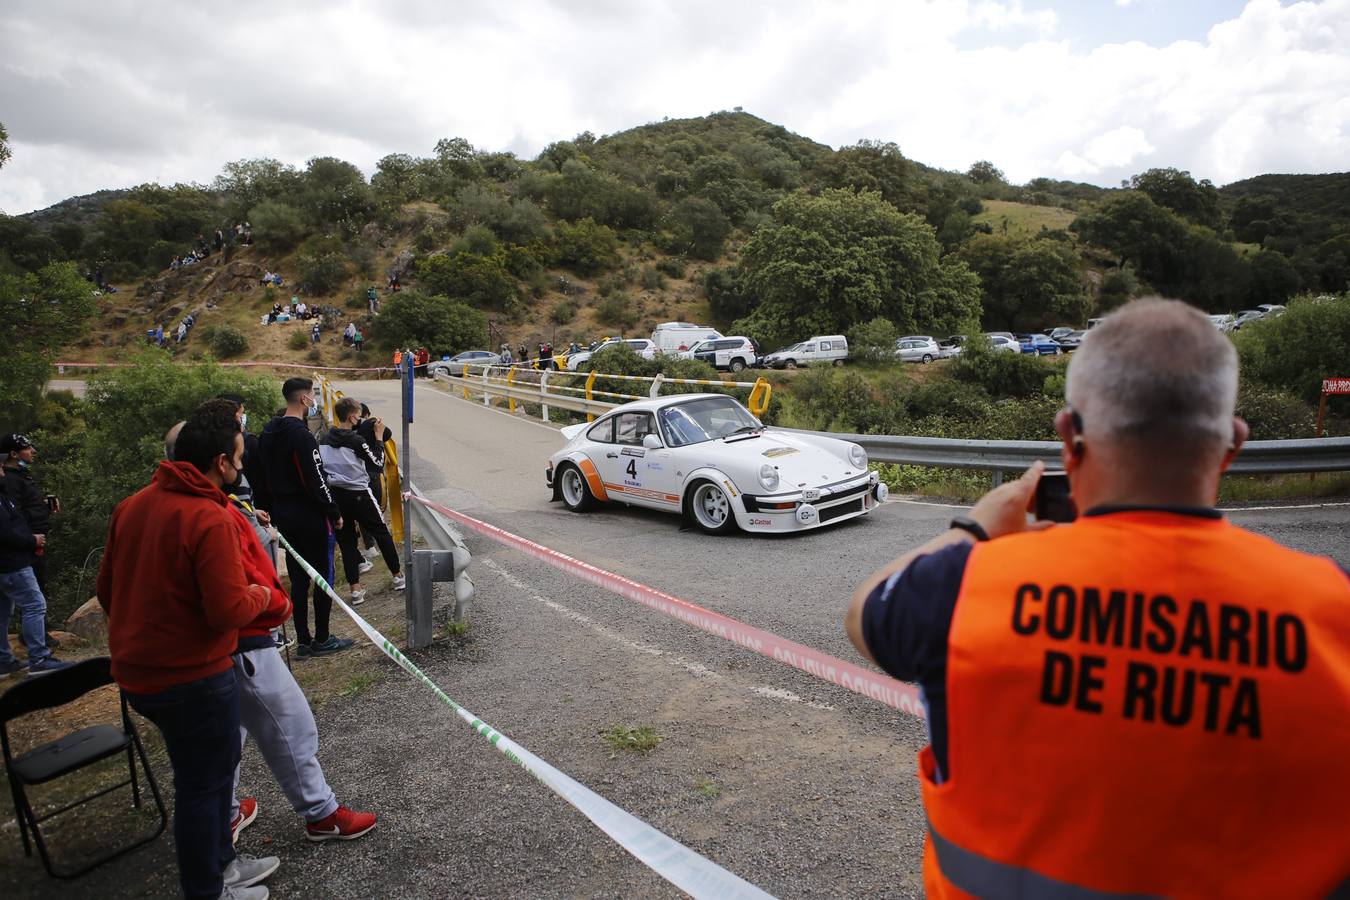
x: 304, y: 511
x: 348, y: 459
x: 373, y: 429
x: 17, y: 452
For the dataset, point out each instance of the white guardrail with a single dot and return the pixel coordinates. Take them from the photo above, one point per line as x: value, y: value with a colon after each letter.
x: 561, y: 390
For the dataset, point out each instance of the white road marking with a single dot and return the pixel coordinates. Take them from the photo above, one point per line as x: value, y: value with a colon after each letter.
x: 695, y: 668
x: 1240, y: 509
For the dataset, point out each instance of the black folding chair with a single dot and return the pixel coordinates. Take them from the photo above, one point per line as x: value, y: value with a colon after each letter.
x: 69, y: 753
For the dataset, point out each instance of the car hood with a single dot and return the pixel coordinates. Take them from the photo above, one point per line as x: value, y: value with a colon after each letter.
x: 801, y: 460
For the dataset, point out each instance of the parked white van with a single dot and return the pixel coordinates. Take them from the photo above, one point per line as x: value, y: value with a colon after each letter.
x: 671, y: 337
x: 827, y: 349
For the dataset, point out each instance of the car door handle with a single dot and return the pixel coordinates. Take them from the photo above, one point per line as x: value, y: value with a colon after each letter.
x: 612, y: 455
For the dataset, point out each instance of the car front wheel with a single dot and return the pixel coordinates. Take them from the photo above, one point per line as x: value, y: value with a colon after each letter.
x: 737, y: 365
x: 791, y: 364
x: 710, y: 508
x: 576, y: 494
x: 927, y: 358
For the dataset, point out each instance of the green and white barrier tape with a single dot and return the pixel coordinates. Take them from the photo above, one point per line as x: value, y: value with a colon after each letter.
x: 696, y: 875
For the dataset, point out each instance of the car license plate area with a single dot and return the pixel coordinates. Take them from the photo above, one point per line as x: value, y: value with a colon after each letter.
x: 841, y: 509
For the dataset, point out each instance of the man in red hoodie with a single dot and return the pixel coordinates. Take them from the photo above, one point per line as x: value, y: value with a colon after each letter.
x: 172, y: 583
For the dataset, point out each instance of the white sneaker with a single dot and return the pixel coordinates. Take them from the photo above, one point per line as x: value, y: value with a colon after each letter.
x: 400, y: 582
x: 365, y: 566
x: 245, y: 871
x: 259, y: 892
x: 370, y: 552
x: 358, y: 597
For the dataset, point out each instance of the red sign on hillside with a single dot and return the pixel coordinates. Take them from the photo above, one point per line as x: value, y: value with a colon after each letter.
x: 1336, y: 385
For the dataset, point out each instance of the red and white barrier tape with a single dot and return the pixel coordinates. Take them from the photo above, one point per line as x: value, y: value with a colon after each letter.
x: 881, y: 688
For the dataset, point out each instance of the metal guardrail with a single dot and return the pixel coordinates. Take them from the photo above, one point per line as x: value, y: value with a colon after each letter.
x: 1256, y: 458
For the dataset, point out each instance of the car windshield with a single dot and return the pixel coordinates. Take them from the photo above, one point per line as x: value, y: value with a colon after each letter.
x: 706, y: 419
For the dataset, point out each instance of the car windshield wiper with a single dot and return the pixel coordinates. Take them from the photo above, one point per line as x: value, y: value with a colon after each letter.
x: 752, y: 430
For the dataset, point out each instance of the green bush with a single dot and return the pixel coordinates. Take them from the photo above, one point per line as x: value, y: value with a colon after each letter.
x: 1295, y: 351
x: 617, y: 309
x: 1274, y: 414
x: 673, y: 266
x: 873, y: 341
x: 276, y: 226
x: 586, y: 247
x: 652, y: 279
x: 1000, y: 373
x: 226, y: 341
x: 563, y: 312
x: 411, y: 318
x: 466, y: 273
x: 322, y: 265
x: 298, y: 340
x: 112, y: 448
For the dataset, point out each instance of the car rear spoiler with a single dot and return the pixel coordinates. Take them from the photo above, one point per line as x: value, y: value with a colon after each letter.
x: 572, y: 431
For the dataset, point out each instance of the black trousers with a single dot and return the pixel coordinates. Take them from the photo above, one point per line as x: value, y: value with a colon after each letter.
x: 312, y: 537
x: 360, y: 508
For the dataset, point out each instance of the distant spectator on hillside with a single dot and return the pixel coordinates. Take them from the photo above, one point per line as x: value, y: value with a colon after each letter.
x: 357, y: 339
x: 372, y: 300
x: 219, y: 240
x: 349, y: 333
x: 524, y: 353
x: 314, y: 333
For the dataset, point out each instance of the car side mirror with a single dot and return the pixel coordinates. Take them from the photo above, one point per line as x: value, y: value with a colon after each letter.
x: 652, y: 442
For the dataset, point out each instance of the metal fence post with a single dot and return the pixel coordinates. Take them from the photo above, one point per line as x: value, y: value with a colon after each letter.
x: 543, y: 393
x: 417, y: 597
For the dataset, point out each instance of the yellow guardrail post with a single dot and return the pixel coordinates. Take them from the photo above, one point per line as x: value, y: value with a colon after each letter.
x: 465, y: 376
x: 590, y: 388
x: 510, y: 380
x: 759, y: 397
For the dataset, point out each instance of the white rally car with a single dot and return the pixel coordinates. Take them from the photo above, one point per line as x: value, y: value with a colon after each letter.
x: 707, y: 457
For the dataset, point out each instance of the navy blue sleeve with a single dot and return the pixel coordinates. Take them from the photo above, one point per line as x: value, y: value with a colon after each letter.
x: 905, y: 623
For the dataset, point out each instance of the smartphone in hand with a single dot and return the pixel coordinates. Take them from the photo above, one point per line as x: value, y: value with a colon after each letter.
x: 1052, y: 498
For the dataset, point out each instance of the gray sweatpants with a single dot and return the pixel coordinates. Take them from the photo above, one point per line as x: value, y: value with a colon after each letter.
x: 276, y: 714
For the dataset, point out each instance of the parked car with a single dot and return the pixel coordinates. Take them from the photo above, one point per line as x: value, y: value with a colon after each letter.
x: 1038, y: 344
x: 641, y: 346
x: 1000, y: 340
x: 476, y: 359
x: 917, y: 349
x: 706, y: 457
x: 1061, y: 331
x: 671, y: 337
x: 1225, y: 322
x: 1069, y: 342
x: 734, y: 353
x: 831, y: 349
x: 1271, y: 309
x: 952, y: 346
x: 1093, y: 323
x: 1248, y: 315
x: 689, y: 352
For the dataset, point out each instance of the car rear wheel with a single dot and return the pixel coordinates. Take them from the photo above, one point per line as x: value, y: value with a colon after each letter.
x: 710, y: 508
x: 838, y: 363
x: 576, y: 494
x: 927, y: 358
x: 791, y: 364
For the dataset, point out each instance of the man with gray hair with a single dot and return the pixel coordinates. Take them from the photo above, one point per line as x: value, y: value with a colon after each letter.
x: 1147, y: 701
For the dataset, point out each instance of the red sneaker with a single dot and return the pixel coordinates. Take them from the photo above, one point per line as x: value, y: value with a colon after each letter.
x: 248, y: 811
x: 343, y: 825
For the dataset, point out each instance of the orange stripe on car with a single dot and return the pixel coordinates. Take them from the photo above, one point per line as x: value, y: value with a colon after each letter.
x: 593, y: 479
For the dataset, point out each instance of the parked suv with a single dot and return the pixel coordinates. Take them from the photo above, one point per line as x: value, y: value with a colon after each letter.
x: 641, y: 346
x: 734, y: 353
x: 827, y: 349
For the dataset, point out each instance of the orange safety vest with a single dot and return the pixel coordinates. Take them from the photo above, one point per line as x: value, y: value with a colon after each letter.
x: 398, y: 357
x: 1144, y: 703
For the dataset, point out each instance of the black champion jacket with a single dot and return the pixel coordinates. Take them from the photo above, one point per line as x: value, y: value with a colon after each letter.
x: 293, y: 468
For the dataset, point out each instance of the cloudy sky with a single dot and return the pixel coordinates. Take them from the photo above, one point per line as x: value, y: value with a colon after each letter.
x: 119, y: 92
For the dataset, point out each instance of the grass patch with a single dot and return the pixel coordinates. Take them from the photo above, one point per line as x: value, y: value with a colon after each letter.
x: 360, y: 682
x: 625, y: 738
x: 1248, y: 488
x: 930, y: 481
x: 708, y: 788
x: 1023, y: 218
x: 457, y: 629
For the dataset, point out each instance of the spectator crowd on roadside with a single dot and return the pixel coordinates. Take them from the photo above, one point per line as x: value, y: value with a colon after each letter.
x: 196, y: 636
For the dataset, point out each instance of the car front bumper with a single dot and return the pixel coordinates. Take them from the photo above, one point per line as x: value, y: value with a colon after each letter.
x: 813, y: 507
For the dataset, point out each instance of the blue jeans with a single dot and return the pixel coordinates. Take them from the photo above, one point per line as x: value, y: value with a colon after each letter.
x: 21, y: 589
x: 200, y: 724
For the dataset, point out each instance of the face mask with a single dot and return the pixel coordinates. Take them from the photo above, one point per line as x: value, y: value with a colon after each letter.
x: 243, y: 421
x: 314, y: 408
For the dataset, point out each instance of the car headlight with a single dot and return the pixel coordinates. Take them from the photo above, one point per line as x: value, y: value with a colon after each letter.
x: 857, y: 456
x: 768, y: 477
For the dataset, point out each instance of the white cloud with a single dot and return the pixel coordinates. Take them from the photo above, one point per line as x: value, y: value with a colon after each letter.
x: 114, y: 94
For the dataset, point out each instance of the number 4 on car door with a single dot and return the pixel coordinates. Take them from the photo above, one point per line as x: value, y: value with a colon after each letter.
x: 632, y: 469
